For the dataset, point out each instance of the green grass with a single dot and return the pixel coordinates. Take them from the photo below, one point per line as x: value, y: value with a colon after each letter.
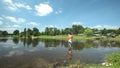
x: 78, y: 37
x: 114, y: 58
x: 15, y: 36
x: 117, y: 39
x: 75, y: 37
x: 64, y: 37
x: 58, y: 37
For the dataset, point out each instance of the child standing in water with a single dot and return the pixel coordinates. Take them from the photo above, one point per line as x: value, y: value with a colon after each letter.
x: 70, y: 37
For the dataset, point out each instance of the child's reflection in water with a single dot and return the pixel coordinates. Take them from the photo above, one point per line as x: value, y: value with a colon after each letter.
x: 69, y: 53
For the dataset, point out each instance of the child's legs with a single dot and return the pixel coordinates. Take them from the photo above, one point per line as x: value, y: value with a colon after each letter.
x: 69, y: 43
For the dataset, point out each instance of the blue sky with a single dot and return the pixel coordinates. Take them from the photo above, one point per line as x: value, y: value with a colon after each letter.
x: 20, y: 14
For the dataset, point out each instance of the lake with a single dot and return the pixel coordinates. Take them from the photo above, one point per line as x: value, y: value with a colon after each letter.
x: 40, y: 53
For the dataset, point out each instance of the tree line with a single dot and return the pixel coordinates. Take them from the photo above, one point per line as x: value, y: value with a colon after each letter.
x: 53, y: 31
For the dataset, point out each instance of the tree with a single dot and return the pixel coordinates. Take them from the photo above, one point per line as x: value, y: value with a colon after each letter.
x: 118, y: 31
x: 24, y: 33
x: 0, y: 33
x: 47, y: 31
x: 4, y: 33
x: 104, y: 31
x: 56, y: 31
x: 35, y: 31
x: 68, y: 30
x: 77, y: 29
x: 62, y: 32
x: 51, y: 31
x: 16, y: 32
x: 29, y: 32
x: 94, y: 30
x: 42, y: 33
x: 88, y: 32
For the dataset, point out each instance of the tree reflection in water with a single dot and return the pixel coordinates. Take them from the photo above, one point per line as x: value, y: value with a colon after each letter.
x: 35, y: 42
x: 51, y: 43
x: 3, y: 40
x: 29, y: 41
x: 16, y: 40
x: 77, y: 45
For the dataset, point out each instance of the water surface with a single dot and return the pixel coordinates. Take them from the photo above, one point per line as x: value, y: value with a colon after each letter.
x: 39, y: 53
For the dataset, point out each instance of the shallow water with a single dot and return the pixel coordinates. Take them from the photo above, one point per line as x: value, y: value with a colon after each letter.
x: 39, y: 53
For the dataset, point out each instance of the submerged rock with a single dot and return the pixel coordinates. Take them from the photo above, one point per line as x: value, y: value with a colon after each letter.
x: 106, y: 64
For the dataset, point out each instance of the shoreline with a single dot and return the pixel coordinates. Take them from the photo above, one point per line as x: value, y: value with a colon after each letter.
x: 77, y: 38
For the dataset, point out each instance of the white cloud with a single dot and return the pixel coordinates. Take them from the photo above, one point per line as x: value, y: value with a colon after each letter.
x: 1, y: 22
x: 11, y: 26
x: 14, y: 6
x: 33, y: 50
x: 8, y: 1
x: 14, y: 53
x: 43, y: 9
x: 33, y: 24
x: 58, y: 12
x: 19, y: 5
x: 1, y: 18
x: 97, y: 26
x: 110, y: 27
x: 51, y: 26
x: 16, y: 26
x: 105, y: 26
x: 77, y: 23
x: 10, y: 29
x: 15, y: 20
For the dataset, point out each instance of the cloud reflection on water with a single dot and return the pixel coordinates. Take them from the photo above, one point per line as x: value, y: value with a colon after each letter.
x: 14, y: 53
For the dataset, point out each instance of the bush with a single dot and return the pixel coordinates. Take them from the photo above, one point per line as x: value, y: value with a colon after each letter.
x: 88, y: 32
x: 114, y: 59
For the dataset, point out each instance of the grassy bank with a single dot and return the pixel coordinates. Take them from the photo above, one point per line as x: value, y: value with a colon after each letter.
x: 77, y: 37
x: 58, y: 37
x: 64, y: 37
x: 117, y: 38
